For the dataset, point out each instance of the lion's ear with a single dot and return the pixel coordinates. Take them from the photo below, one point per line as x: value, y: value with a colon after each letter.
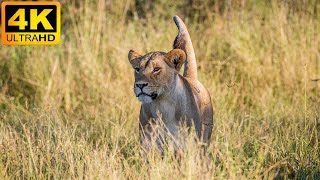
x: 133, y: 55
x: 175, y: 58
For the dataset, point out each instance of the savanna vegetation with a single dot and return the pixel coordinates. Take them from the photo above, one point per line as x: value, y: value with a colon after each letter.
x: 69, y: 111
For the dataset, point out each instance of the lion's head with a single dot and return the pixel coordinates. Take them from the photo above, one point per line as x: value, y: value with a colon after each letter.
x: 155, y: 73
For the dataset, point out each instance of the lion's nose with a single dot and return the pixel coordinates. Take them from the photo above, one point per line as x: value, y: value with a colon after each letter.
x: 141, y: 85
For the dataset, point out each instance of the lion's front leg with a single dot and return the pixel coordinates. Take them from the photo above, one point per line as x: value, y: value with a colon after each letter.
x: 151, y: 137
x: 150, y: 133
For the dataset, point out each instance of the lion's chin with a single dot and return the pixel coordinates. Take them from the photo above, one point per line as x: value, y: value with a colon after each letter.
x: 144, y: 98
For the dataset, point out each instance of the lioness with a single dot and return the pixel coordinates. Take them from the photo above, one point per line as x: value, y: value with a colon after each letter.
x: 160, y: 88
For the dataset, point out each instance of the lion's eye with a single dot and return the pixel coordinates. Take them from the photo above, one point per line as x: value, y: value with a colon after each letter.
x: 137, y: 70
x: 156, y: 70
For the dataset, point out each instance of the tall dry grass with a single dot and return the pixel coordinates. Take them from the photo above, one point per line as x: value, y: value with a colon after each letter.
x: 69, y: 111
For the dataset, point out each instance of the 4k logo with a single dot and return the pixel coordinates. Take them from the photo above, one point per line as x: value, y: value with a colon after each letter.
x: 30, y: 23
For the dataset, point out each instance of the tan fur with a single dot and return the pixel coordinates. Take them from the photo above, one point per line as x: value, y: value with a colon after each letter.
x: 162, y: 90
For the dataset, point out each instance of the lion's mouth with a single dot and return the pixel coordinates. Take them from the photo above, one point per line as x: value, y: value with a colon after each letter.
x: 152, y: 95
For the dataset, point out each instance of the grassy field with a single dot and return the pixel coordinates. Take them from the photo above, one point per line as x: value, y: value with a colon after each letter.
x: 69, y: 111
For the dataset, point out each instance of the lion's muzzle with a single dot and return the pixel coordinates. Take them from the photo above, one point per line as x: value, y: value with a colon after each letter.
x: 144, y: 93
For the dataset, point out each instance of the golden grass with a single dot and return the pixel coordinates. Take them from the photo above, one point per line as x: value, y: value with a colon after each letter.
x: 69, y: 111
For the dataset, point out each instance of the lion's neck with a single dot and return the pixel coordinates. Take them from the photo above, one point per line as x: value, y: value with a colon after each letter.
x: 168, y: 103
x: 176, y: 92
